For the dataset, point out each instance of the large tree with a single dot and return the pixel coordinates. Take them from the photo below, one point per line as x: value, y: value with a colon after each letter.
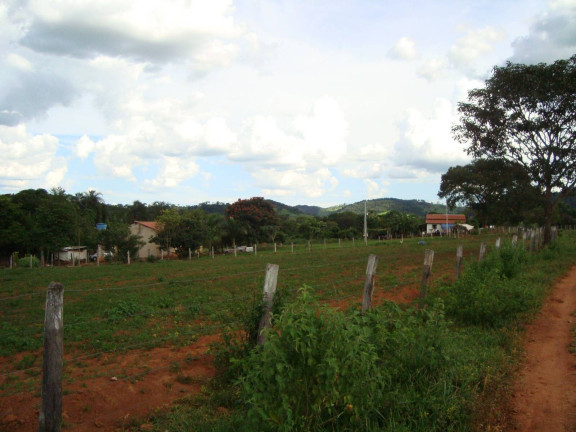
x: 255, y: 213
x: 487, y: 187
x: 527, y: 114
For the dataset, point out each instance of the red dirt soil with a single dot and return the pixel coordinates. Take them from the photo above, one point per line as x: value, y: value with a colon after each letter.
x: 544, y: 392
x: 96, y: 399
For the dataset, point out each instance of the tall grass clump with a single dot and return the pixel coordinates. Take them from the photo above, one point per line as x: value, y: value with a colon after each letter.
x: 491, y: 293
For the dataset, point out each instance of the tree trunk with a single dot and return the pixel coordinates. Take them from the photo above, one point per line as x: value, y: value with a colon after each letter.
x: 548, y: 215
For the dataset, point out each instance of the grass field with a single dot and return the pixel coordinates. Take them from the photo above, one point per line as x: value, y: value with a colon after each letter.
x: 114, y: 308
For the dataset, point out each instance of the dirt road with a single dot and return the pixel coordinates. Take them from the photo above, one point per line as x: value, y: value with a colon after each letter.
x: 544, y: 393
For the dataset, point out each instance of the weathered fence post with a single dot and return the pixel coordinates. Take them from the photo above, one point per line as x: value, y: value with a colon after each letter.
x: 274, y: 247
x: 270, y: 282
x: 369, y: 282
x: 189, y: 254
x: 514, y: 240
x: 353, y: 242
x: 12, y: 260
x: 292, y: 247
x: 255, y: 250
x: 309, y: 247
x: 532, y: 241
x: 50, y: 418
x: 458, y: 261
x: 498, y: 244
x: 426, y: 272
x: 482, y: 251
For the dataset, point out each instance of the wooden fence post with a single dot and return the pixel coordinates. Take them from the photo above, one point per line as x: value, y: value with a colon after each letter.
x: 309, y: 247
x: 482, y: 251
x: 458, y: 261
x: 369, y: 282
x: 514, y: 240
x: 128, y: 257
x: 498, y: 244
x: 270, y: 281
x: 274, y: 247
x: 50, y: 418
x: 292, y: 247
x: 426, y: 272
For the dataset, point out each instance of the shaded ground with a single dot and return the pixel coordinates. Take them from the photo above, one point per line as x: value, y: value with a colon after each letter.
x: 544, y: 393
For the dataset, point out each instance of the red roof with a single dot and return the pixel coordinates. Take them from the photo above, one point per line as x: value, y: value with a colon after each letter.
x: 441, y: 218
x: 152, y: 225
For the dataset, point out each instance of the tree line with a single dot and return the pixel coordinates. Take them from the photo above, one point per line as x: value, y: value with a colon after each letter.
x: 36, y: 221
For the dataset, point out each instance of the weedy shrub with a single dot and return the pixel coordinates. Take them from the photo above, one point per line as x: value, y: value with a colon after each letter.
x: 28, y: 262
x: 318, y: 370
x: 122, y: 310
x: 490, y: 293
x: 387, y: 369
x: 227, y: 353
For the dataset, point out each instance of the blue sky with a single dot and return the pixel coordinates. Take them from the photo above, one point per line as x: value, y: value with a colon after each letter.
x: 305, y: 102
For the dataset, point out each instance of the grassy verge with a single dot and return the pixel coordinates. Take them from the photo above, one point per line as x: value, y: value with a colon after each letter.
x: 443, y: 366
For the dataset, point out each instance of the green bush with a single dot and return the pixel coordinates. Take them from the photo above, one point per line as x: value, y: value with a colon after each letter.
x: 490, y: 293
x: 318, y: 370
x: 25, y: 261
x: 387, y: 369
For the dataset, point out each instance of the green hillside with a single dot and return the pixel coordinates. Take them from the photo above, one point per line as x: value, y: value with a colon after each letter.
x: 382, y: 205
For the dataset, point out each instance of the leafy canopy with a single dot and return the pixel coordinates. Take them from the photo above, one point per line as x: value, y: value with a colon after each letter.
x: 527, y: 114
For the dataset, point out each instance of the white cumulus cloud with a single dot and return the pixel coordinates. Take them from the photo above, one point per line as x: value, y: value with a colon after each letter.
x: 404, y: 49
x: 29, y: 160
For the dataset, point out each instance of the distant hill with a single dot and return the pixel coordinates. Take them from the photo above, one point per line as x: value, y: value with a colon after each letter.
x: 380, y: 205
x: 383, y: 205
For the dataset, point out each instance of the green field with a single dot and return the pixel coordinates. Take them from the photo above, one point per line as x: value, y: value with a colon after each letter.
x: 114, y: 308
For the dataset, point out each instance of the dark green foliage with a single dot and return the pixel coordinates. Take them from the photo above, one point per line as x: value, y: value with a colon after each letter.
x: 29, y: 261
x: 487, y: 186
x: 388, y: 369
x: 490, y: 293
x: 526, y: 114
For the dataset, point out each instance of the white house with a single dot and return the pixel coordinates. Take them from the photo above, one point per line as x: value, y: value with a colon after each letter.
x: 72, y: 254
x: 441, y: 223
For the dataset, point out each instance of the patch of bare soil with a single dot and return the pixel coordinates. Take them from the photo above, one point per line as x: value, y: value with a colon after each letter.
x: 544, y: 393
x: 117, y: 390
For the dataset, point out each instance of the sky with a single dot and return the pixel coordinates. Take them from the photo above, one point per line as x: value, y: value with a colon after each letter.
x: 317, y: 102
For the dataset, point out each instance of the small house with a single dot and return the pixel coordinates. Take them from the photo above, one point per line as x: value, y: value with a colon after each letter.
x: 72, y: 254
x: 146, y: 231
x: 441, y: 223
